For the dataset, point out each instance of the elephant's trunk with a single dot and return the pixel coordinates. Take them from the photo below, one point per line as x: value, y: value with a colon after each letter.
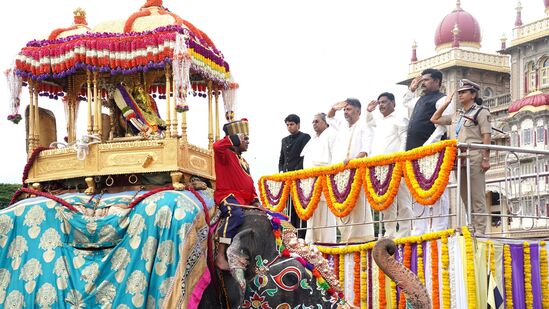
x: 416, y: 293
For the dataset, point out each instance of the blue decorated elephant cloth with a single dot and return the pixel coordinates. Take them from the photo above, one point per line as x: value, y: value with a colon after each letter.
x: 106, y: 255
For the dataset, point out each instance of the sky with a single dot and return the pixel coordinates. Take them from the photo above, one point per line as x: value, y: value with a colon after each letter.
x: 288, y: 56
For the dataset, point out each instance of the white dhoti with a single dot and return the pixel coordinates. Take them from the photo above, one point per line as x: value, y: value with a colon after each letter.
x: 440, y: 208
x: 400, y: 209
x: 321, y: 227
x: 353, y: 227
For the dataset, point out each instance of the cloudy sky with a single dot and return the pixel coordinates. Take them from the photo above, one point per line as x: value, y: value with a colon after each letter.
x: 288, y: 56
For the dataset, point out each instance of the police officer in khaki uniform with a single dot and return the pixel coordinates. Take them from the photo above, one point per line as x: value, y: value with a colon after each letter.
x: 472, y: 126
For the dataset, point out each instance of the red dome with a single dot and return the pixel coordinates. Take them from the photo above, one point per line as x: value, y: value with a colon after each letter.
x: 535, y: 100
x: 469, y: 30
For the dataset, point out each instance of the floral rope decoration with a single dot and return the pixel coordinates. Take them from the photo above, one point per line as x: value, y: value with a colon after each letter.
x: 434, y: 275
x: 427, y: 191
x: 508, y: 275
x: 420, y: 272
x: 381, y: 194
x: 394, y: 300
x: 407, y: 263
x: 273, y: 201
x: 342, y: 202
x: 335, y: 259
x: 363, y: 280
x: 528, y: 296
x: 306, y: 202
x: 341, y: 269
x: 341, y: 184
x: 356, y: 283
x: 470, y: 266
x: 544, y: 272
x: 382, y: 296
x: 445, y: 273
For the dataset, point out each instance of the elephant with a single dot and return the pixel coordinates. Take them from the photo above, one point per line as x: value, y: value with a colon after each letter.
x: 416, y: 293
x: 263, y: 277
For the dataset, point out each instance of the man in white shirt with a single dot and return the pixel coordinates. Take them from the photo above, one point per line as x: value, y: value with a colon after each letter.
x: 318, y: 152
x: 353, y: 141
x: 421, y: 132
x: 389, y: 135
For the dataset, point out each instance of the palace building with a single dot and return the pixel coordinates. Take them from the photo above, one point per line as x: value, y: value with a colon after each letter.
x: 515, y: 87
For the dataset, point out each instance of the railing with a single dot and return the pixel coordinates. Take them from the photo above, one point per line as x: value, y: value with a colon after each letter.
x: 530, y: 31
x: 459, y: 55
x: 523, y: 185
x: 497, y: 102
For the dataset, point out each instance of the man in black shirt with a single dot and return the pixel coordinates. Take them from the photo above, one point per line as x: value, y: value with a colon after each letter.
x: 292, y: 145
x: 291, y: 159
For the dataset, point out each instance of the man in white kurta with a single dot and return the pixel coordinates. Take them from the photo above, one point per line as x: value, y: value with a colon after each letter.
x: 389, y: 135
x: 353, y: 141
x: 430, y: 81
x: 318, y: 152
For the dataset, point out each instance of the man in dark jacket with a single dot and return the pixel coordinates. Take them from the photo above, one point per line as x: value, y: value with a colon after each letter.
x: 291, y: 159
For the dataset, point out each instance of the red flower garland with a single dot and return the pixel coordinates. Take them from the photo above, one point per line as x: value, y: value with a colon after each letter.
x: 407, y: 264
x: 434, y: 274
x: 35, y: 153
x: 382, y: 296
x: 356, y: 283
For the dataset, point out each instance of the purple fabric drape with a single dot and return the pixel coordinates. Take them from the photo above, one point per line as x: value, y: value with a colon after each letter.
x: 517, y: 264
x: 536, y: 275
x: 413, y: 262
x: 370, y: 280
x: 398, y: 258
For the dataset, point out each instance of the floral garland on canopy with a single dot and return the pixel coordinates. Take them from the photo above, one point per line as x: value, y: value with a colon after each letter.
x: 119, y: 53
x: 426, y: 171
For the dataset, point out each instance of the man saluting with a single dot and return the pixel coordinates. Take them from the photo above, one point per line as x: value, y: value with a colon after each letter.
x: 234, y: 185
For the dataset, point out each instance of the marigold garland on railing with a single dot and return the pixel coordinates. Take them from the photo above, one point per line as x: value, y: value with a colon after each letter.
x: 407, y: 263
x: 381, y: 194
x: 434, y: 275
x: 305, y: 203
x: 528, y: 296
x: 394, y: 300
x: 445, y: 261
x: 379, y: 189
x: 508, y: 275
x: 544, y: 272
x: 363, y: 280
x: 356, y: 278
x: 342, y: 203
x: 382, y: 296
x: 427, y: 191
x: 341, y: 269
x: 420, y: 272
x: 470, y: 266
x: 274, y: 202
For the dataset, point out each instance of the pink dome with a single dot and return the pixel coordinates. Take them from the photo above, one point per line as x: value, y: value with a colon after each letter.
x: 469, y: 30
x: 535, y: 100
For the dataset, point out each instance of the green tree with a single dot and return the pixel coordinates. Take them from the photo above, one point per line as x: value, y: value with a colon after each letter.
x: 6, y: 192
